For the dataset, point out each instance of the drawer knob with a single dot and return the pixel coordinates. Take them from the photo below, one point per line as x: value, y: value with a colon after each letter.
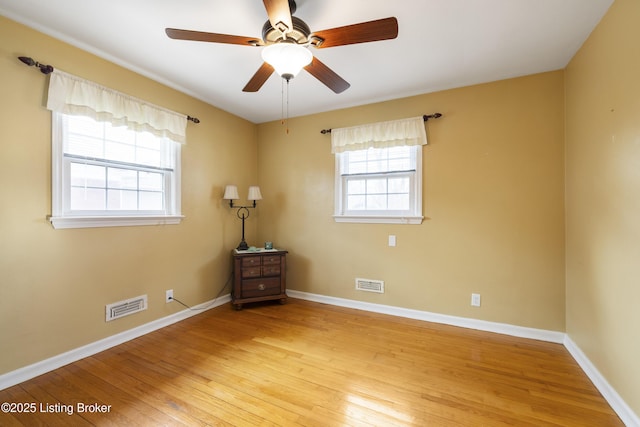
x: 261, y: 287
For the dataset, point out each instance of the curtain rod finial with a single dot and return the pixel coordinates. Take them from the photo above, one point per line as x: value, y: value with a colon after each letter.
x: 431, y: 116
x: 26, y: 60
x: 44, y: 69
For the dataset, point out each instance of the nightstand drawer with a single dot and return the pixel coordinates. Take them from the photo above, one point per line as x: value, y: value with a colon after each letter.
x: 260, y: 287
x: 251, y: 271
x: 271, y: 259
x: 251, y: 261
x: 271, y: 270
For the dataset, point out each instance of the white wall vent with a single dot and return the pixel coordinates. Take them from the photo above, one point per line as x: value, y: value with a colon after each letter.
x: 126, y: 307
x: 370, y: 285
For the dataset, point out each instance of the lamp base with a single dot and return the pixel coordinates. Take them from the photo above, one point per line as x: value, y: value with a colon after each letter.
x: 242, y: 246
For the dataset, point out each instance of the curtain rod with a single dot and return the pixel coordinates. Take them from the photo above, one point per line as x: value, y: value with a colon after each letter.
x: 424, y: 117
x: 48, y: 69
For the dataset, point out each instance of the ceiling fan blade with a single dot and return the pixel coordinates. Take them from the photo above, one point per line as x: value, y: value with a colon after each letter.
x: 200, y: 36
x: 327, y: 76
x: 258, y: 79
x: 279, y: 14
x: 370, y: 31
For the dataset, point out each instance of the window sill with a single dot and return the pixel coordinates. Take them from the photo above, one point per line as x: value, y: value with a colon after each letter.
x: 112, y: 221
x: 371, y: 219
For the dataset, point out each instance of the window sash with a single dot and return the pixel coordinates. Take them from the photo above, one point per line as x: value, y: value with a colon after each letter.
x: 411, y: 171
x: 369, y: 196
x: 162, y: 187
x: 108, y: 190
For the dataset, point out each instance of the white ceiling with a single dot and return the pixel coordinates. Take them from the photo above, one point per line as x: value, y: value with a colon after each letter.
x: 441, y: 44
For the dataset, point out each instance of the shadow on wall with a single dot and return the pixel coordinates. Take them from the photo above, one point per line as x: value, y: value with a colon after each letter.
x: 298, y: 272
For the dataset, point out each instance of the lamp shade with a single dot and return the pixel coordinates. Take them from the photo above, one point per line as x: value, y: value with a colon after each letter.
x: 231, y: 192
x: 254, y: 193
x: 287, y: 58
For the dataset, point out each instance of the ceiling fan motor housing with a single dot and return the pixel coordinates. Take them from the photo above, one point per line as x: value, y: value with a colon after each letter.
x: 299, y: 34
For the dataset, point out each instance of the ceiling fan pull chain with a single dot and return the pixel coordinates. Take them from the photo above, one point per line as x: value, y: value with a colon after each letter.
x: 282, y: 101
x: 287, y: 106
x: 284, y: 113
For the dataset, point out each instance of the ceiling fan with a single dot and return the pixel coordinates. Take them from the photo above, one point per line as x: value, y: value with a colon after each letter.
x: 287, y: 38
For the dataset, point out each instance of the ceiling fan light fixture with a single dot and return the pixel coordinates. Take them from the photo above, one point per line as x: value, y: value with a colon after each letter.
x: 287, y: 58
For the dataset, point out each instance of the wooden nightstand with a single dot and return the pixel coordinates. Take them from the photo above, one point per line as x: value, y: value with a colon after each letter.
x: 258, y: 276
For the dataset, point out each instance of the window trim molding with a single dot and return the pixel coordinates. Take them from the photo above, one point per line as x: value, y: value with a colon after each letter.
x: 378, y: 219
x: 60, y: 222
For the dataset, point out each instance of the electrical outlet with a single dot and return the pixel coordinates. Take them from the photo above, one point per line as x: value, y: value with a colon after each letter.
x: 168, y: 296
x: 475, y: 300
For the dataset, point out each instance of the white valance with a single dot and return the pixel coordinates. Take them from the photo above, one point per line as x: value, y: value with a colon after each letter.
x: 379, y: 135
x: 73, y: 95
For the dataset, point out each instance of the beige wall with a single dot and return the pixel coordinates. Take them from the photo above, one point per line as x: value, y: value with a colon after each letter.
x: 54, y: 284
x: 493, y: 198
x: 603, y: 198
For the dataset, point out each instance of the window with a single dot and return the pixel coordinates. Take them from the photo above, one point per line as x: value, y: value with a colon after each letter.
x: 107, y: 175
x: 115, y: 158
x: 379, y: 172
x: 379, y: 185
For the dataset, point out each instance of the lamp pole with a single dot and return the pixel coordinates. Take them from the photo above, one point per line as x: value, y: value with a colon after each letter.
x: 243, y: 213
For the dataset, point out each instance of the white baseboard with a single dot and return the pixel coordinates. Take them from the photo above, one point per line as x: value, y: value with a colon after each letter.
x: 626, y: 414
x: 23, y: 374
x: 482, y: 325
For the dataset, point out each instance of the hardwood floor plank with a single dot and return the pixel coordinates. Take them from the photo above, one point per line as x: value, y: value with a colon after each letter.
x: 312, y: 364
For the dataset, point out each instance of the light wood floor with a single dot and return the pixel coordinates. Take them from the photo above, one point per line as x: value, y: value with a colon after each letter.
x: 311, y: 364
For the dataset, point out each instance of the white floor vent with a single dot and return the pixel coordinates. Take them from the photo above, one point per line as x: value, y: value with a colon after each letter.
x: 126, y: 307
x: 370, y: 285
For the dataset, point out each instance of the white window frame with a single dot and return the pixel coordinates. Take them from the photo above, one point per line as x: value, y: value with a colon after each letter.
x: 411, y: 216
x: 62, y: 217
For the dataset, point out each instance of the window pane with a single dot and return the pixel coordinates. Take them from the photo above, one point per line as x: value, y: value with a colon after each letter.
x: 401, y: 164
x: 377, y: 166
x: 83, y: 175
x: 356, y: 203
x: 123, y: 178
x: 87, y: 199
x: 356, y: 186
x: 377, y: 186
x: 119, y: 133
x: 84, y: 126
x: 149, y: 157
x: 399, y: 185
x: 356, y: 156
x: 400, y: 151
x: 120, y: 152
x: 150, y: 200
x: 399, y: 202
x: 151, y: 181
x: 85, y: 146
x: 377, y: 202
x: 122, y: 200
x: 148, y: 140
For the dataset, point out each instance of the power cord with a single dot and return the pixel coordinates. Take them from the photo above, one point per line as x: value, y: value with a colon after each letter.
x: 212, y: 302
